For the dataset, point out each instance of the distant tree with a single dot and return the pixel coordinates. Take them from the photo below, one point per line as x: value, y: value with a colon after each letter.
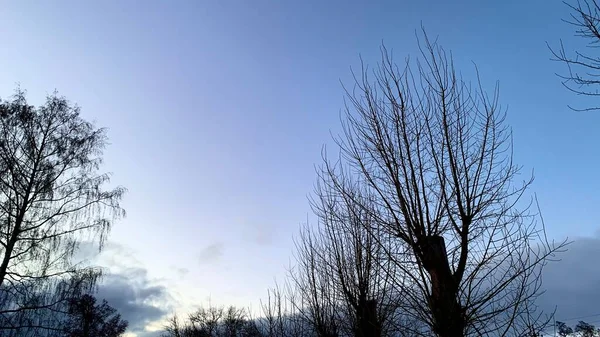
x: 583, y: 68
x: 234, y: 322
x: 213, y: 321
x: 274, y: 311
x: 206, y: 321
x: 283, y: 314
x: 88, y: 319
x: 563, y: 329
x: 428, y: 157
x: 51, y: 197
x: 173, y: 328
x: 585, y: 329
x: 582, y: 329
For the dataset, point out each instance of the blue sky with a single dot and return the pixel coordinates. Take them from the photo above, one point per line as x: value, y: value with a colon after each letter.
x: 217, y: 111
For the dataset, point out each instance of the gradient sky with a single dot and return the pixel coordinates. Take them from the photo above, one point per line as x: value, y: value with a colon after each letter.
x: 217, y: 111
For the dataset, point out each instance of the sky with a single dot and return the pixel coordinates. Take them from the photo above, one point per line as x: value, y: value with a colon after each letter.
x: 217, y: 112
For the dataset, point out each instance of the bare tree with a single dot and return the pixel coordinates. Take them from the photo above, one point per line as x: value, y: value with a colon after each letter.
x: 315, y: 302
x: 284, y: 313
x: 51, y: 194
x: 427, y: 156
x: 214, y: 321
x: 583, y: 69
x: 276, y: 313
x: 355, y: 257
x: 206, y: 321
x: 234, y: 322
x: 173, y: 328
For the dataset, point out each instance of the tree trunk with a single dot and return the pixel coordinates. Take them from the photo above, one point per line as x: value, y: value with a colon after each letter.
x: 448, y: 319
x: 368, y: 324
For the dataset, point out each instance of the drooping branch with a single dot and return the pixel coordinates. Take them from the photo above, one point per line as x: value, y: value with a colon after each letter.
x: 52, y: 194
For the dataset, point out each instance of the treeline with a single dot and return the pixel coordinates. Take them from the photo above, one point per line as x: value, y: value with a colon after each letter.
x: 582, y: 329
x: 276, y: 319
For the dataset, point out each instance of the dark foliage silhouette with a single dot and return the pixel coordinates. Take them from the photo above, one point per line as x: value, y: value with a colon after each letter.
x: 86, y: 318
x: 582, y: 329
x: 214, y: 322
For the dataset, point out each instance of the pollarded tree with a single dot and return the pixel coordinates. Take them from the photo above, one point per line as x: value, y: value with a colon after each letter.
x: 355, y: 259
x: 52, y: 194
x: 429, y: 157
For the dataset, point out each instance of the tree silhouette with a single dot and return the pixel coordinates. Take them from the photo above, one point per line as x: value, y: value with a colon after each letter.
x: 585, y: 329
x: 214, y: 321
x: 88, y: 319
x: 563, y: 329
x: 427, y: 156
x: 51, y: 197
x: 582, y: 329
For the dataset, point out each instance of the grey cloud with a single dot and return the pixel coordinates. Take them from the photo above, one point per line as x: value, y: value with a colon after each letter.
x: 572, y: 284
x: 127, y: 287
x: 212, y: 252
x: 181, y: 272
x: 136, y: 298
x: 113, y: 254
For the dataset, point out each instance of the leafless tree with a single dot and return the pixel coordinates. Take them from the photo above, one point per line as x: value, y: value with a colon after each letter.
x: 51, y: 194
x: 214, y: 321
x: 173, y: 328
x: 583, y: 69
x: 207, y: 320
x: 315, y: 302
x: 234, y: 321
x: 428, y: 158
x: 355, y: 257
x: 278, y: 316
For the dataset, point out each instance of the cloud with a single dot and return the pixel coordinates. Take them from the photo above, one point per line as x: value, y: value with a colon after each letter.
x: 571, y: 284
x: 181, y: 272
x: 136, y: 298
x: 113, y: 255
x: 212, y: 252
x: 127, y: 287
